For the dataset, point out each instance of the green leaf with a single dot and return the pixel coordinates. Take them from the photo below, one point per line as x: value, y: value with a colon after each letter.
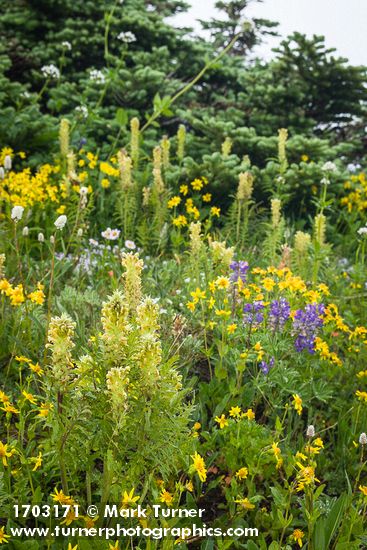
x: 121, y: 117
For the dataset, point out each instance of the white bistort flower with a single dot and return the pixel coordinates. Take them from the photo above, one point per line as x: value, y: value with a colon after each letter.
x: 363, y: 438
x: 2, y: 173
x: 66, y: 44
x: 41, y: 238
x: 82, y: 110
x: 310, y: 431
x: 25, y: 231
x: 329, y: 166
x: 127, y: 37
x: 17, y: 213
x: 7, y: 162
x: 97, y: 76
x: 362, y: 231
x: 50, y: 71
x: 61, y: 222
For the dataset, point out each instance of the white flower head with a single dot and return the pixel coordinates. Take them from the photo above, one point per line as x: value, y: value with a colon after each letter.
x: 50, y: 71
x: 362, y: 231
x: 2, y: 173
x: 325, y: 181
x: 82, y: 110
x: 83, y: 191
x: 17, y: 213
x: 130, y: 245
x: 111, y: 234
x: 329, y: 167
x: 41, y: 238
x: 25, y: 231
x: 52, y: 239
x: 310, y: 431
x: 61, y: 222
x: 79, y: 233
x: 127, y: 37
x: 66, y: 45
x: 97, y: 76
x: 7, y: 162
x: 363, y: 438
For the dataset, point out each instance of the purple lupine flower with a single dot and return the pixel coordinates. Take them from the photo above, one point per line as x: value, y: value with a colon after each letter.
x: 240, y: 270
x: 306, y: 324
x: 279, y: 313
x: 265, y: 367
x: 253, y: 313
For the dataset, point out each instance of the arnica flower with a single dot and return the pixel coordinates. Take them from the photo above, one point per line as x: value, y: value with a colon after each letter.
x: 166, y: 497
x: 199, y: 466
x: 297, y: 403
x: 242, y: 473
x: 222, y: 421
x: 245, y: 503
x: 5, y: 453
x: 297, y: 537
x: 3, y: 536
x: 129, y: 499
